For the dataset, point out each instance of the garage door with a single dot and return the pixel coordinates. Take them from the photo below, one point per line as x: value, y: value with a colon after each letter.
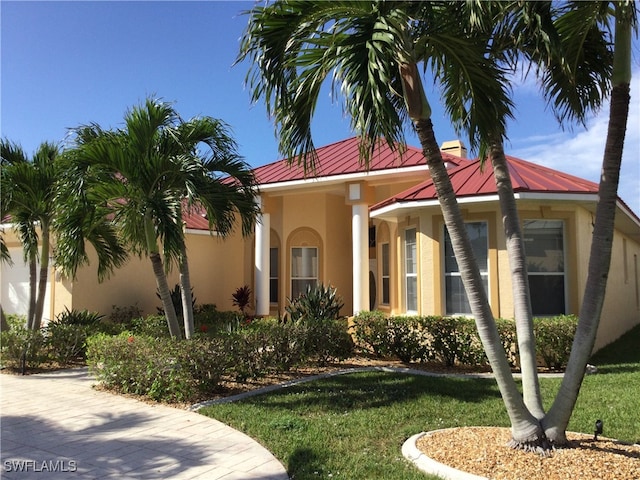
x: 14, y: 280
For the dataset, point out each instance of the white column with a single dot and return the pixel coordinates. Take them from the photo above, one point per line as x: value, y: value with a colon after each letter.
x: 263, y: 229
x: 360, y: 246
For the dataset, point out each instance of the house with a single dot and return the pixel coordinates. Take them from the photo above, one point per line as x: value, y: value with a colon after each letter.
x: 376, y: 234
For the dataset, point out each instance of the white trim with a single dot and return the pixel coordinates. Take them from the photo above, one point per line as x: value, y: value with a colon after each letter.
x: 345, y: 177
x: 576, y: 197
x: 197, y: 231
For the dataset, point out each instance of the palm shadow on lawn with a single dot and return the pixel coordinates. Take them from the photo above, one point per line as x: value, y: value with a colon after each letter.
x: 370, y: 390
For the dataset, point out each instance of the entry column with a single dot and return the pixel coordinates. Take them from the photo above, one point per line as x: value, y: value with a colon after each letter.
x: 360, y: 247
x: 262, y: 229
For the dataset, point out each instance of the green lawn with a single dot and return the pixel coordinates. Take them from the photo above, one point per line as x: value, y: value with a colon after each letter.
x: 353, y: 426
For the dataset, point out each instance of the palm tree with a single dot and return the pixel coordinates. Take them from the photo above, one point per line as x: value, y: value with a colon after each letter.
x: 374, y: 50
x: 225, y: 188
x: 625, y: 15
x: 147, y: 174
x: 28, y: 187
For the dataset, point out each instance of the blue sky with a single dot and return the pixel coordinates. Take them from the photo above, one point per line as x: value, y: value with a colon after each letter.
x: 64, y: 64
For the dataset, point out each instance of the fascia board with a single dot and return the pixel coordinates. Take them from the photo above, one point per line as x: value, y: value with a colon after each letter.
x: 341, y: 178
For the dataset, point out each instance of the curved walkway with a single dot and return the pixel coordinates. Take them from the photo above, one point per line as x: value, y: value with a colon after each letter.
x: 55, y: 426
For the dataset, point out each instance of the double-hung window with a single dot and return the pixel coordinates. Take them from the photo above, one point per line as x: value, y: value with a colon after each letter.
x: 455, y: 296
x: 273, y: 275
x: 386, y: 277
x: 304, y: 269
x: 411, y: 270
x: 544, y: 248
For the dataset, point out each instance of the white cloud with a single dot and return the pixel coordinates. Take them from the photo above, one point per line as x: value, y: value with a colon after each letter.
x: 580, y: 152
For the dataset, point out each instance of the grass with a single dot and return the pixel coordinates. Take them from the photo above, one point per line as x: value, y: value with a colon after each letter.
x: 352, y: 426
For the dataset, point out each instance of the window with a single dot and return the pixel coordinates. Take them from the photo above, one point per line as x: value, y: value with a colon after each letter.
x: 411, y: 270
x: 455, y: 296
x: 544, y: 248
x: 304, y: 269
x: 385, y: 274
x: 273, y: 275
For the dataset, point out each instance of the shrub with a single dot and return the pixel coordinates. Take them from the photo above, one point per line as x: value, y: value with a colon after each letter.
x: 66, y: 341
x: 507, y: 331
x: 151, y: 325
x: 370, y: 331
x: 406, y: 339
x: 317, y: 303
x: 327, y: 341
x: 160, y: 368
x: 554, y: 338
x: 124, y: 315
x: 20, y: 346
x: 78, y: 317
x: 208, y: 319
x: 176, y: 299
x: 454, y: 340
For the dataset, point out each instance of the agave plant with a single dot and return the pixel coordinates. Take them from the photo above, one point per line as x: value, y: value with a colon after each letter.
x: 316, y: 304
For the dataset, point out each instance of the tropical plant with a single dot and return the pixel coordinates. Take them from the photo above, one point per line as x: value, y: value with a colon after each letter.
x: 374, y: 51
x: 241, y: 298
x: 316, y: 304
x: 27, y: 189
x: 149, y: 174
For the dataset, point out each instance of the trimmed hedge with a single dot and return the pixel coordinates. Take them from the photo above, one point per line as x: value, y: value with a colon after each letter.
x: 455, y: 341
x: 158, y: 367
x: 170, y: 370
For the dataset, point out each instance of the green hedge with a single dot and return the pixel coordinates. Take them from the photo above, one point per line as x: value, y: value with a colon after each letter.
x: 455, y: 341
x: 158, y: 367
x: 171, y: 370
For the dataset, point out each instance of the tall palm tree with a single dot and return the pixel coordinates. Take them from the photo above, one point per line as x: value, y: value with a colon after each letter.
x: 574, y: 60
x: 28, y: 187
x: 224, y: 189
x: 374, y: 50
x: 624, y: 14
x: 148, y: 173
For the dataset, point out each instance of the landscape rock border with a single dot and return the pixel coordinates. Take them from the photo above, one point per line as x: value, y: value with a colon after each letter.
x: 411, y: 452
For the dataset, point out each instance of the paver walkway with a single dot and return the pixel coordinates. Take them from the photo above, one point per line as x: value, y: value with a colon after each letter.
x: 55, y: 426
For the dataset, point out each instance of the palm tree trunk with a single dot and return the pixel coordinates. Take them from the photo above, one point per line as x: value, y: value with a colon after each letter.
x: 165, y: 296
x: 161, y: 279
x: 185, y: 291
x: 599, y: 262
x: 525, y: 428
x: 33, y: 282
x: 4, y: 325
x: 519, y: 281
x: 556, y: 421
x: 43, y: 279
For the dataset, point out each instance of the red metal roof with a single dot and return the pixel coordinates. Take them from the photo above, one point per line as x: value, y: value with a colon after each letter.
x: 342, y: 158
x: 472, y: 180
x: 195, y: 218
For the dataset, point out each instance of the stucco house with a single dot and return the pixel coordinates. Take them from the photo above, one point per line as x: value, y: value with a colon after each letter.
x: 376, y: 234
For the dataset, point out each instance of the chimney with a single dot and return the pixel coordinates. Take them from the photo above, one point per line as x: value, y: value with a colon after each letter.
x: 454, y: 147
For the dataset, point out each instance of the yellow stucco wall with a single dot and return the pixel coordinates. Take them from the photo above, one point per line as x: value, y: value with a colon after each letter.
x: 217, y: 268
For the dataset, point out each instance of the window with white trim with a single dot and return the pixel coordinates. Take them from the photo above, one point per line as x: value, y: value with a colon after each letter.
x: 456, y: 300
x: 304, y: 269
x: 411, y: 270
x: 386, y: 277
x: 273, y: 275
x: 544, y: 248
